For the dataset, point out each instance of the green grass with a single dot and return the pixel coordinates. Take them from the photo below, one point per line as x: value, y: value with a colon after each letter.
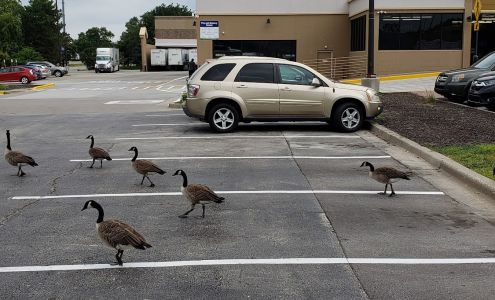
x: 479, y: 158
x: 3, y: 87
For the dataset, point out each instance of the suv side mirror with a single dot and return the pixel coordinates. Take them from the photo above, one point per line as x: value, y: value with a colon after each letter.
x: 316, y: 82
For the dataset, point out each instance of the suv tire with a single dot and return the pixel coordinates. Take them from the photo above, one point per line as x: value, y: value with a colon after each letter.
x: 347, y: 117
x: 223, y: 118
x: 57, y: 73
x: 491, y: 107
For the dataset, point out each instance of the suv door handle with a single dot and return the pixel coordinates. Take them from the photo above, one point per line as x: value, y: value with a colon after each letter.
x: 242, y: 86
x: 286, y: 88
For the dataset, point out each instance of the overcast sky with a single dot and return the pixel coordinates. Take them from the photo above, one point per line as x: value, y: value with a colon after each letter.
x: 112, y: 14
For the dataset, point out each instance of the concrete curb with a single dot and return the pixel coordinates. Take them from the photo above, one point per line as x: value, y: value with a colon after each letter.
x: 3, y: 93
x: 43, y: 87
x: 396, y: 77
x: 469, y: 177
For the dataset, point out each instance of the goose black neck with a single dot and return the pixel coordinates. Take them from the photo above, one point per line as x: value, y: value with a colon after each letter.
x: 135, y: 154
x: 372, y: 168
x: 92, y: 142
x: 8, y: 141
x: 184, y: 179
x: 100, y: 212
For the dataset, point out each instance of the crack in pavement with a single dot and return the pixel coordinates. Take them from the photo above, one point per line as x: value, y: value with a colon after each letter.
x: 53, y: 183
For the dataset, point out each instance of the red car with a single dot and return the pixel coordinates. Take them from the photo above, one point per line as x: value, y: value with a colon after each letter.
x: 17, y: 73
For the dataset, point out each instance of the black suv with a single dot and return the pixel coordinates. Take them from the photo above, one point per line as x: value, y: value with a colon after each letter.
x: 482, y: 91
x: 454, y: 85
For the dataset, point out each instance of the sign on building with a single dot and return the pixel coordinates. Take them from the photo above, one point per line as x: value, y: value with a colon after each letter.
x: 209, y: 30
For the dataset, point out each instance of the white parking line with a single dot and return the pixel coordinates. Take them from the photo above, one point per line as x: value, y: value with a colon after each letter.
x: 225, y: 136
x: 170, y: 124
x: 165, y: 115
x: 134, y: 102
x: 254, y: 261
x: 223, y: 192
x: 243, y: 157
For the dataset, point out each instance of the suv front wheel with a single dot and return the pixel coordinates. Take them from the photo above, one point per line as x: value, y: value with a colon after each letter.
x: 347, y: 117
x: 223, y: 118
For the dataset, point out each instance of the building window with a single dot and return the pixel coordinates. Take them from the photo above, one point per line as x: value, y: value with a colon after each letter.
x: 281, y: 49
x: 358, y: 34
x: 420, y: 31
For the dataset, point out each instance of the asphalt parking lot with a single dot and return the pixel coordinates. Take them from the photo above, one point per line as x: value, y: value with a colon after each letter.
x: 301, y: 219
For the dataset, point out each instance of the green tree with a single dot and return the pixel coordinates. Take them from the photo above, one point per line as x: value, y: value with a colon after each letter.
x: 27, y: 54
x: 148, y: 18
x: 130, y: 43
x: 41, y: 28
x: 88, y: 41
x: 10, y: 25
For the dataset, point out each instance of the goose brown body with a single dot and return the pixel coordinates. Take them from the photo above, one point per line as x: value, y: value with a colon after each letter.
x: 117, y: 234
x: 97, y: 153
x: 17, y: 158
x: 386, y: 175
x: 144, y: 167
x: 197, y: 194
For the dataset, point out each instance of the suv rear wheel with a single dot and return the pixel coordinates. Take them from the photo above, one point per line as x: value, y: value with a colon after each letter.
x: 223, y: 118
x: 347, y: 117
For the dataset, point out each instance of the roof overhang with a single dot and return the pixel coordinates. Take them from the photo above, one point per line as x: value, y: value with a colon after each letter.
x: 176, y: 43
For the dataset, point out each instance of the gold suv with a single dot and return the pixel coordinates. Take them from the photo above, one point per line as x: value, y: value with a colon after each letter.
x: 229, y: 90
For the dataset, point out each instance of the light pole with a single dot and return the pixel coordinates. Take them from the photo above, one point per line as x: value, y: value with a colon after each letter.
x: 371, y: 39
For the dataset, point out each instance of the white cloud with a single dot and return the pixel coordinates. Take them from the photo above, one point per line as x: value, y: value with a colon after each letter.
x: 112, y: 14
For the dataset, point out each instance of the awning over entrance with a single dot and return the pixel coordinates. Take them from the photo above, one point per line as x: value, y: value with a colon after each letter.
x: 179, y: 43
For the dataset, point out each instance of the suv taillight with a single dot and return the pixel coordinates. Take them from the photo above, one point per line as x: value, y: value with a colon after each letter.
x: 192, y: 90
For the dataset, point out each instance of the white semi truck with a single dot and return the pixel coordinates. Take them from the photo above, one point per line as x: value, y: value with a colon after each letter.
x: 107, y: 60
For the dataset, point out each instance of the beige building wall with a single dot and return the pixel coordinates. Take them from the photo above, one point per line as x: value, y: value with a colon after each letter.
x: 145, y: 50
x: 175, y: 27
x: 312, y: 32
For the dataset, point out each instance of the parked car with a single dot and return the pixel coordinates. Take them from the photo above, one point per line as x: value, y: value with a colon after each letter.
x: 55, y: 70
x: 44, y: 70
x: 17, y: 73
x: 482, y: 91
x: 36, y: 70
x: 454, y: 85
x: 229, y: 90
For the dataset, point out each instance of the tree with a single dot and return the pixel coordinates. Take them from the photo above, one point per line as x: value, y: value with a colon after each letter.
x: 130, y: 43
x: 10, y: 25
x: 148, y: 18
x: 41, y: 28
x: 87, y: 43
x: 27, y: 54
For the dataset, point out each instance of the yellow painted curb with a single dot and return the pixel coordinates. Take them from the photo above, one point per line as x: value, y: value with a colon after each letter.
x: 2, y: 93
x: 43, y: 87
x: 396, y: 77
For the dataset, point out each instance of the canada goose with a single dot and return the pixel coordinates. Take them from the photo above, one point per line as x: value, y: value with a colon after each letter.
x: 386, y: 175
x: 196, y: 194
x: 97, y: 153
x: 116, y: 234
x: 16, y: 158
x: 144, y: 167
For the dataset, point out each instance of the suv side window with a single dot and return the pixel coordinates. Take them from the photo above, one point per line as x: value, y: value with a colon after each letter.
x: 290, y: 74
x: 257, y: 72
x: 217, y: 72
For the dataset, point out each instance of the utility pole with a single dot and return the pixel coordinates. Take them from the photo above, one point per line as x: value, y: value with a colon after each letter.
x: 371, y: 39
x: 64, y: 51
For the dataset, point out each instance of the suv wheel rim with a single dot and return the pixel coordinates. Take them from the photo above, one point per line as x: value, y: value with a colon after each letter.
x: 223, y: 118
x: 350, y: 118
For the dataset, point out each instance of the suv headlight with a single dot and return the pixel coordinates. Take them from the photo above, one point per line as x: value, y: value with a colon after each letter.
x: 488, y: 82
x: 372, y: 95
x: 192, y: 90
x: 458, y: 78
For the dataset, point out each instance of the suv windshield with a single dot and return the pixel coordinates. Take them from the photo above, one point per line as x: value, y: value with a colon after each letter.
x: 486, y: 62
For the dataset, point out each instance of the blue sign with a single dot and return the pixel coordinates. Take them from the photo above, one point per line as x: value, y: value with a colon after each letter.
x: 209, y: 30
